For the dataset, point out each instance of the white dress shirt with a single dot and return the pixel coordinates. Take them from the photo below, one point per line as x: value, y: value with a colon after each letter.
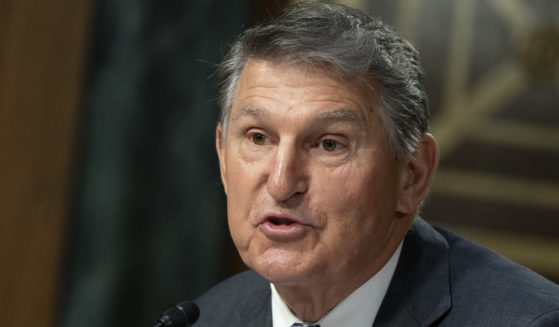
x: 359, y: 309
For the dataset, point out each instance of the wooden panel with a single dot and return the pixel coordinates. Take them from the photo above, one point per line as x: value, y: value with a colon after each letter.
x: 41, y: 58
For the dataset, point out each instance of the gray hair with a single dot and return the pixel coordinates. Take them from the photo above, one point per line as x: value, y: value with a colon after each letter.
x: 348, y: 42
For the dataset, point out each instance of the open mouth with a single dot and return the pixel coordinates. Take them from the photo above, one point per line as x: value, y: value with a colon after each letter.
x: 283, y: 229
x: 282, y: 221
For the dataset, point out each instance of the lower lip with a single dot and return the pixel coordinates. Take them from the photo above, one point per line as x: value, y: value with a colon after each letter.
x: 283, y: 233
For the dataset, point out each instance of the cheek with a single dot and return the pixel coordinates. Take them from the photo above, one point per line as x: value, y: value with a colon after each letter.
x: 357, y: 202
x: 235, y: 198
x: 238, y: 180
x: 349, y: 188
x: 240, y: 229
x: 242, y: 193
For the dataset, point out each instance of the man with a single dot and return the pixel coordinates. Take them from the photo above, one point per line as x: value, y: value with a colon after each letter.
x: 325, y: 158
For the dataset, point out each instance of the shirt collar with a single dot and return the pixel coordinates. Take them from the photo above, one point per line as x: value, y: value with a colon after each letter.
x: 359, y: 309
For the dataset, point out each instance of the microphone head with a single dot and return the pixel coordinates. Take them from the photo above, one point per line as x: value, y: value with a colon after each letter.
x: 191, y: 311
x: 184, y: 314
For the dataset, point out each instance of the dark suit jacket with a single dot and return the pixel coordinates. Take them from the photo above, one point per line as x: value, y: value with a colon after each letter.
x: 441, y: 280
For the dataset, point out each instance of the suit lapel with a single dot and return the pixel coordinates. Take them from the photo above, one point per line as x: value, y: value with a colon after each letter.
x: 419, y: 293
x: 262, y: 317
x: 257, y: 310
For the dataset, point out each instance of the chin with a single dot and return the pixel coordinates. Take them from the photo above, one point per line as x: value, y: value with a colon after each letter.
x: 283, y: 278
x: 281, y: 269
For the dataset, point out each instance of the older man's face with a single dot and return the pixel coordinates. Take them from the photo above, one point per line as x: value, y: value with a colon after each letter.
x: 312, y: 185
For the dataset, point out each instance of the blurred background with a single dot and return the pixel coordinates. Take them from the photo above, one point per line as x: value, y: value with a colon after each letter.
x: 111, y: 209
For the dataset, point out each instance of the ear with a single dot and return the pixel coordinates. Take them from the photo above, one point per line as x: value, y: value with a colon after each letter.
x: 220, y: 147
x: 418, y: 171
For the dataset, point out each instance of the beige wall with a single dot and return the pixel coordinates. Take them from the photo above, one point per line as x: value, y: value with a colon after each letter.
x: 492, y: 76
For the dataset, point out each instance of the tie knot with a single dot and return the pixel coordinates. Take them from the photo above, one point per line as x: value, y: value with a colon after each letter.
x: 299, y: 324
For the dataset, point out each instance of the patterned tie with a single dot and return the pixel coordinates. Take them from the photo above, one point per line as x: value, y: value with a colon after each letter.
x: 298, y: 324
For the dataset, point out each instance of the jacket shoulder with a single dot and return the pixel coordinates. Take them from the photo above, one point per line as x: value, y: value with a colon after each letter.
x: 488, y: 287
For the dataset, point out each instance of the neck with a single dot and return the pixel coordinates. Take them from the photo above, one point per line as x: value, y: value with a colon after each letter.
x: 311, y: 305
x: 312, y: 302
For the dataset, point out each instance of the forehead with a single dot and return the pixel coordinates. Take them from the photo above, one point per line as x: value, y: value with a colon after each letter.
x: 299, y: 84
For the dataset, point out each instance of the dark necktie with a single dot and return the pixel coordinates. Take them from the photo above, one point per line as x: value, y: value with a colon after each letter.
x: 298, y: 324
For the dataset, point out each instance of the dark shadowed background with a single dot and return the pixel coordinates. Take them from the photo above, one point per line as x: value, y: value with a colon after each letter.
x: 111, y: 209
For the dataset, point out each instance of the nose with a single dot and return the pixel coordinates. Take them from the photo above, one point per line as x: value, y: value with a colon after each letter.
x: 287, y: 176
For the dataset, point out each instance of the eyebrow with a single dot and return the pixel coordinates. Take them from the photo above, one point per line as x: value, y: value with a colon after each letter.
x: 250, y: 111
x: 340, y: 115
x: 332, y: 115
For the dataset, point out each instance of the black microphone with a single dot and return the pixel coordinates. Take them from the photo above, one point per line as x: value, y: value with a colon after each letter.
x: 183, y: 314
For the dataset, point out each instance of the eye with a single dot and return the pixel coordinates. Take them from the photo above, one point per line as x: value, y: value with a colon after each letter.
x: 329, y: 145
x: 258, y: 138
